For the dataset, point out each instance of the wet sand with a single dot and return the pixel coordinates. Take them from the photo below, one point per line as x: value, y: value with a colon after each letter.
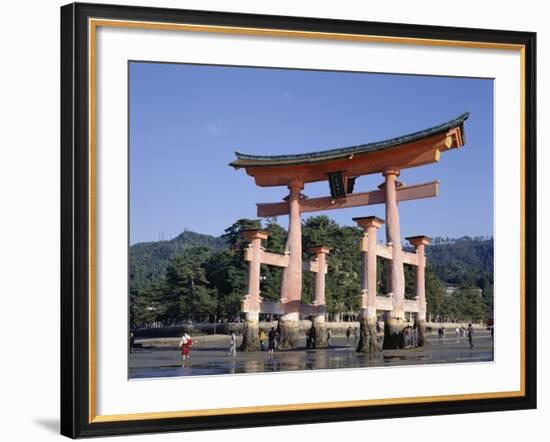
x: 209, y: 356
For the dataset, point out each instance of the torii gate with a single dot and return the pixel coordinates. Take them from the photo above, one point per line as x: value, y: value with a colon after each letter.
x: 341, y: 167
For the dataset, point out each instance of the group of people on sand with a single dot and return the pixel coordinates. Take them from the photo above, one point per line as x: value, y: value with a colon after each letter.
x: 273, y: 339
x: 352, y: 332
x: 460, y: 332
x: 410, y: 337
x: 270, y: 341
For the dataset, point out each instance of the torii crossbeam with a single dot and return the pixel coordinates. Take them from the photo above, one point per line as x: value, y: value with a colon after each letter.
x: 404, y: 193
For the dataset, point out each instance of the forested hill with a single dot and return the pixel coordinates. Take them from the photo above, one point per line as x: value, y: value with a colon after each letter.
x: 462, y: 261
x: 150, y: 259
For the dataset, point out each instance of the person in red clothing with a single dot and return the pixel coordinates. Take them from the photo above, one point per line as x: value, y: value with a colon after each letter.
x: 185, y: 344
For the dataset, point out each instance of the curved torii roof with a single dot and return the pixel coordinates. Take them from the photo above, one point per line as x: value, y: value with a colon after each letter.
x: 411, y: 150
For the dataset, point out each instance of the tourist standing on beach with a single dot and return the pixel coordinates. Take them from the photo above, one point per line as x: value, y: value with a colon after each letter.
x: 185, y: 344
x: 441, y: 333
x: 263, y: 337
x: 233, y: 344
x: 278, y: 335
x: 471, y: 336
x: 271, y: 339
x: 308, y: 338
x: 407, y: 337
x: 313, y: 337
x: 329, y: 337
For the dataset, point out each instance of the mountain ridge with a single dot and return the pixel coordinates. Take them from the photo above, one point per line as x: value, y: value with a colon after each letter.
x: 149, y: 260
x: 454, y: 260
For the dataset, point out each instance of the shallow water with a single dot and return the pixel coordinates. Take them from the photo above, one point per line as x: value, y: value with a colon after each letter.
x: 148, y: 363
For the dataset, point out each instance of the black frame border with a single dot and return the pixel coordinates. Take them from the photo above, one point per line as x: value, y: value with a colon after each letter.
x: 75, y: 220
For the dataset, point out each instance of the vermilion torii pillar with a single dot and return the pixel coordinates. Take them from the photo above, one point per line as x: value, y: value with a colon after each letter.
x: 291, y: 285
x: 420, y: 243
x: 395, y: 322
x: 320, y: 253
x: 252, y: 299
x: 368, y: 340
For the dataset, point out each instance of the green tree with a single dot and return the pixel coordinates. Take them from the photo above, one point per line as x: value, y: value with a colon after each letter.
x: 233, y: 235
x: 270, y: 284
x: 227, y: 272
x: 343, y: 285
x: 410, y: 281
x: 471, y: 305
x: 435, y: 292
x: 488, y: 298
x: 189, y: 296
x: 142, y: 308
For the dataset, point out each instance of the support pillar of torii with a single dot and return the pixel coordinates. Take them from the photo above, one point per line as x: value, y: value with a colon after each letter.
x: 291, y: 285
x: 371, y: 303
x: 252, y: 303
x: 420, y: 243
x: 251, y: 341
x: 318, y: 319
x: 368, y: 339
x: 395, y: 320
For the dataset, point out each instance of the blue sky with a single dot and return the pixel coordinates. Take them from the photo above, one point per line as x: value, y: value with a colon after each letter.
x: 186, y: 121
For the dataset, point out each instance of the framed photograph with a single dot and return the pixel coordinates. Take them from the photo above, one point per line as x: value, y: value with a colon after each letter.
x: 273, y: 220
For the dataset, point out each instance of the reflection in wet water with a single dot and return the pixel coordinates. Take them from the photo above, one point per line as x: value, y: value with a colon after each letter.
x: 209, y: 361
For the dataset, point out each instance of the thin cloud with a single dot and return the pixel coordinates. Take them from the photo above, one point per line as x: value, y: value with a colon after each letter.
x: 212, y: 129
x: 287, y: 96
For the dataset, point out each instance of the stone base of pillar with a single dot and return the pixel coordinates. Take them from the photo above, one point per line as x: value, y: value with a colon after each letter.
x: 420, y: 325
x: 393, y: 332
x: 289, y: 329
x: 320, y: 332
x: 368, y: 339
x: 251, y: 338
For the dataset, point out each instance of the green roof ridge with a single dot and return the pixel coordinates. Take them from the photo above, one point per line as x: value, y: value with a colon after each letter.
x: 243, y: 158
